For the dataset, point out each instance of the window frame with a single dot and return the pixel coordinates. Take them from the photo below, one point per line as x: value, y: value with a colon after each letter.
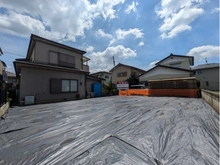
x: 56, y: 86
x: 69, y: 85
x: 122, y: 74
x: 66, y: 63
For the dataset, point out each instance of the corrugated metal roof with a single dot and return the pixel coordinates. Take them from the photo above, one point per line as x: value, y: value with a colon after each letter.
x: 206, y: 66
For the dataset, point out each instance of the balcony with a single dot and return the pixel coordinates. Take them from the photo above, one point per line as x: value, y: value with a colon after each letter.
x: 86, y: 68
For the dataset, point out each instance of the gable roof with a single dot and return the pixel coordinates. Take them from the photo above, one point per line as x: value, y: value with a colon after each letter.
x: 164, y: 66
x: 206, y: 66
x: 174, y: 55
x: 35, y: 38
x: 119, y: 64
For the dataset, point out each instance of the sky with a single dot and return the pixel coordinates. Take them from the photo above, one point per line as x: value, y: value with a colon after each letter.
x: 137, y: 33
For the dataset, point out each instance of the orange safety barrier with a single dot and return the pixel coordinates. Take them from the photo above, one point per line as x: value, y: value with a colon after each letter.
x: 160, y: 92
x: 133, y: 92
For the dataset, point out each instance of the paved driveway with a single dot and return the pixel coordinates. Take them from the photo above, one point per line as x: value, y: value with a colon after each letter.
x: 108, y: 130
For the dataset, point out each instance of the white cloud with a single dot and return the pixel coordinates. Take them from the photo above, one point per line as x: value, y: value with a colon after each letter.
x: 89, y: 49
x: 176, y: 30
x: 103, y: 60
x: 215, y: 10
x: 202, y: 52
x: 152, y: 64
x: 101, y: 33
x: 132, y: 7
x: 177, y: 15
x: 121, y: 34
x: 141, y: 43
x: 10, y: 69
x: 111, y: 42
x: 54, y: 19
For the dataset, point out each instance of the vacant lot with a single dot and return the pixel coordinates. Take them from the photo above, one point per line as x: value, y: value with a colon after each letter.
x: 129, y: 130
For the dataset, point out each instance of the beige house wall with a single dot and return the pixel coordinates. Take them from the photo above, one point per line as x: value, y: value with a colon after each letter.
x: 211, y: 76
x: 120, y: 69
x: 47, y: 53
x: 36, y: 82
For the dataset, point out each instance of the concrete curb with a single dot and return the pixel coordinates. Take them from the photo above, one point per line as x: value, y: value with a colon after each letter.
x: 4, y: 108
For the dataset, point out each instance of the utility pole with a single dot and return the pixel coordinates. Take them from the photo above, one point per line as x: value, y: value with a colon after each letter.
x: 113, y: 58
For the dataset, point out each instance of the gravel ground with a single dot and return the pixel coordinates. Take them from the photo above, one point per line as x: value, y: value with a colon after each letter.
x: 112, y: 130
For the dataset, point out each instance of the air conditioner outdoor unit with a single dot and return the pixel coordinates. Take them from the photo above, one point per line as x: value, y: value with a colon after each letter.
x: 29, y: 100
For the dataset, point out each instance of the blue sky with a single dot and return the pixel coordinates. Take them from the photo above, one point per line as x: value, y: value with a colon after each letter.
x: 137, y: 33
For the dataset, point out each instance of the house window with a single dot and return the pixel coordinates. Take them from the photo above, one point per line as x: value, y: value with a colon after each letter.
x: 63, y: 86
x: 14, y: 80
x: 66, y: 60
x: 207, y: 83
x: 69, y: 85
x: 198, y: 72
x: 122, y: 74
x: 107, y: 77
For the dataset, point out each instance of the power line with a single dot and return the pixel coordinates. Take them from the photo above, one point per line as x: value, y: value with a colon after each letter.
x: 14, y: 54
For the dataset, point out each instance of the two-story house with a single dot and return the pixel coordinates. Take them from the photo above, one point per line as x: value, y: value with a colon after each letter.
x: 173, y: 66
x: 51, y: 71
x: 122, y: 72
x: 208, y: 75
x: 102, y: 74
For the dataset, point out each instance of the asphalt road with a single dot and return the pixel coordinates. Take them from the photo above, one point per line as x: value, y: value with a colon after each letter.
x: 112, y: 130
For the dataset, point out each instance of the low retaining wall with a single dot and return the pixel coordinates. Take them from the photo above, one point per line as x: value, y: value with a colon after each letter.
x: 160, y: 92
x: 212, y: 98
x: 4, y: 108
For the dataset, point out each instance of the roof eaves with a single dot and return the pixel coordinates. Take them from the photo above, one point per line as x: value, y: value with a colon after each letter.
x: 119, y: 64
x: 95, y: 77
x: 175, y: 55
x: 33, y: 36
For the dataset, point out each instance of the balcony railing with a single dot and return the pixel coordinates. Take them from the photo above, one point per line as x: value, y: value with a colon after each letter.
x: 86, y: 68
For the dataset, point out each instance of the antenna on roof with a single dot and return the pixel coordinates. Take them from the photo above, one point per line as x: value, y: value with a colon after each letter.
x: 206, y: 60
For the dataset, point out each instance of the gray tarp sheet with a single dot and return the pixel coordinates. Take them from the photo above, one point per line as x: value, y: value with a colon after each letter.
x: 112, y: 130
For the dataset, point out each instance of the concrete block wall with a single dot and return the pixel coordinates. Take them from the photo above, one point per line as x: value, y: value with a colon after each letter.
x: 212, y: 98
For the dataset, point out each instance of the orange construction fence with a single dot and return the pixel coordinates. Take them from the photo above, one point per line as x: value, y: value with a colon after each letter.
x: 160, y: 92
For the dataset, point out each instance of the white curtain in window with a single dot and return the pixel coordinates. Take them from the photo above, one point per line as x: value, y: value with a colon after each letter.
x: 65, y: 86
x: 73, y: 85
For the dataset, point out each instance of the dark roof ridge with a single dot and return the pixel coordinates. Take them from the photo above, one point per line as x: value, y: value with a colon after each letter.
x: 127, y: 66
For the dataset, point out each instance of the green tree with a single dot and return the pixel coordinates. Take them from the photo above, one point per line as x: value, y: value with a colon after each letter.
x: 132, y: 80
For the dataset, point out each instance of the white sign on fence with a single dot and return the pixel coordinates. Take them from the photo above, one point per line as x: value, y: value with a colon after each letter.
x: 122, y: 85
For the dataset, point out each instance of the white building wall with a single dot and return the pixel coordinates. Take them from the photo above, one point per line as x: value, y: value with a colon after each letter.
x: 209, y: 78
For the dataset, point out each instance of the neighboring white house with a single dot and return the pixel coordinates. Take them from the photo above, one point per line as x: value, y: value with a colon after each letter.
x: 173, y: 66
x: 103, y: 74
x: 208, y: 75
